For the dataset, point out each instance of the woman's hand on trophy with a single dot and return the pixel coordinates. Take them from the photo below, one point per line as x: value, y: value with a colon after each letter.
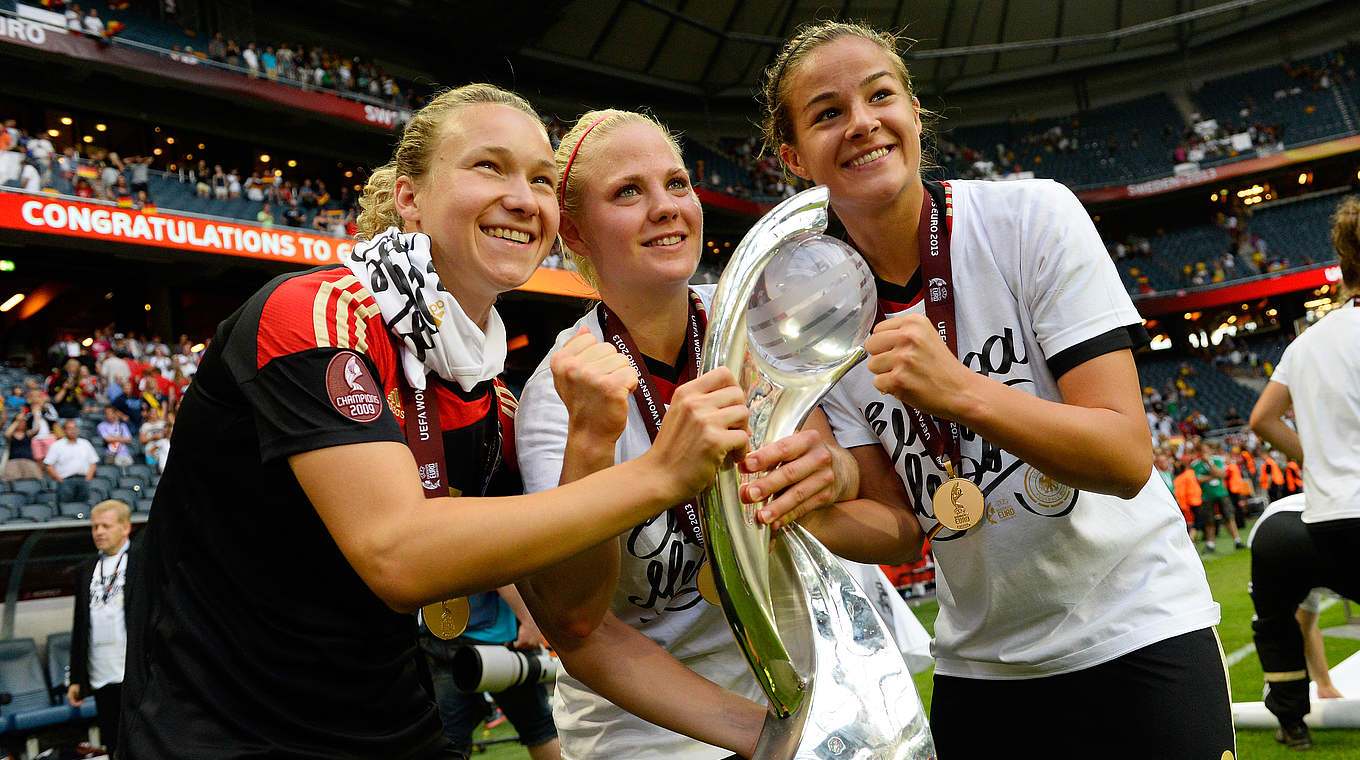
x: 912, y: 363
x: 594, y: 381
x: 799, y: 472
x: 705, y: 423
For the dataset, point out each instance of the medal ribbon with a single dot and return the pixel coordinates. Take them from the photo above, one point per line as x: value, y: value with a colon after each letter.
x: 428, y: 445
x: 645, y: 395
x: 941, y: 438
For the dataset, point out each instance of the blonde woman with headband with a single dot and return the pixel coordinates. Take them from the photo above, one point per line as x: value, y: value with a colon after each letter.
x: 332, y: 456
x: 627, y: 615
x: 1070, y: 596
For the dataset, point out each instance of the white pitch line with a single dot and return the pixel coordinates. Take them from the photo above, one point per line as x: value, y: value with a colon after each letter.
x: 1243, y: 653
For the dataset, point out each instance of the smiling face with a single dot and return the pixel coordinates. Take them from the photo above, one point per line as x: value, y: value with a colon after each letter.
x: 487, y: 202
x: 856, y: 128
x: 639, y: 223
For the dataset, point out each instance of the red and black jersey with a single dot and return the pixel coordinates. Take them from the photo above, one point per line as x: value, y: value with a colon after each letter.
x: 252, y: 634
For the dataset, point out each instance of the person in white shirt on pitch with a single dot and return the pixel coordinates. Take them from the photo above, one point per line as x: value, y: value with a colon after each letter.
x: 1319, y: 377
x: 99, y: 628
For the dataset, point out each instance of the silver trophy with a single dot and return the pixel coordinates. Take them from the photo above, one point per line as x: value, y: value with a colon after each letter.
x: 789, y: 318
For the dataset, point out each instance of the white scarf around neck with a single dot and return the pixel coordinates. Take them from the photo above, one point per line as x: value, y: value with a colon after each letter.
x: 435, y: 333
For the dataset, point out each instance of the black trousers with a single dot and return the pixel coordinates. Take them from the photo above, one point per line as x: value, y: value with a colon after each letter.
x: 1168, y: 700
x: 109, y: 699
x: 1289, y: 559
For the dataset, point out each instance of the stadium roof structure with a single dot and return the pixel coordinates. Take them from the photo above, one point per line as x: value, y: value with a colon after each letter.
x: 676, y: 52
x: 717, y: 48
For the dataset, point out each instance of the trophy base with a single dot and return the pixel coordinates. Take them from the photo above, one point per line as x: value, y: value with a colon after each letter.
x: 860, y: 701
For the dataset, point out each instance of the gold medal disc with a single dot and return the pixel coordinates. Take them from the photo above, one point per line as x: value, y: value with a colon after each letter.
x: 708, y: 589
x: 959, y: 504
x: 447, y: 619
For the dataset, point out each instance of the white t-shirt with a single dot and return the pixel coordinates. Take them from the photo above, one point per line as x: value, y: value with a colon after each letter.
x: 108, y: 626
x: 71, y: 458
x: 1321, y: 369
x: 1052, y: 580
x: 670, y: 612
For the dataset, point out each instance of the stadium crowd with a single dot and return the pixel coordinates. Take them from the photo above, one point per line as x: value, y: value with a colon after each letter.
x: 111, y: 397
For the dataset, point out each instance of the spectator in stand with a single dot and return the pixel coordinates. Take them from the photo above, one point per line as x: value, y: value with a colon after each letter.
x: 217, y: 49
x: 30, y: 179
x: 137, y: 168
x: 19, y: 436
x: 64, y: 387
x: 252, y: 60
x: 234, y: 184
x: 117, y: 437
x: 155, y: 438
x: 265, y: 216
x: 114, y: 369
x: 219, y: 183
x: 254, y: 188
x: 73, y: 19
x: 15, y: 400
x: 292, y: 215
x: 270, y: 63
x: 119, y: 192
x: 93, y: 25
x: 285, y: 58
x: 71, y: 462
x: 130, y: 405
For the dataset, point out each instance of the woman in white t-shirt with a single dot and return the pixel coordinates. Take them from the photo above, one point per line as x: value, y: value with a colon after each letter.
x: 627, y: 615
x: 1319, y: 377
x: 1070, y: 596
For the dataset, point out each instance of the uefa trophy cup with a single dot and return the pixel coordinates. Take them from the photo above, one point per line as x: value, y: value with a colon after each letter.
x: 789, y: 318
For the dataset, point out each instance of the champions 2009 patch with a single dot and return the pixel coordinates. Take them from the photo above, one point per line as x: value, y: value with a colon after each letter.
x: 351, y: 388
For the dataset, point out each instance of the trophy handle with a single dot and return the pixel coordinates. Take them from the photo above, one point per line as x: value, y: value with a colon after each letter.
x: 737, y: 544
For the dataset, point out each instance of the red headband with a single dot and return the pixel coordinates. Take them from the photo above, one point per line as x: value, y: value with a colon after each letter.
x: 566, y: 170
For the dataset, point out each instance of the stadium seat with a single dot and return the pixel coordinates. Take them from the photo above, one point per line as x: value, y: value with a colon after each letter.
x: 27, y: 486
x: 125, y: 495
x: 144, y: 506
x: 75, y: 510
x: 12, y: 500
x: 143, y: 471
x: 58, y: 663
x: 6, y: 514
x: 109, y: 472
x: 21, y: 676
x: 36, y: 512
x: 43, y: 497
x: 132, y: 483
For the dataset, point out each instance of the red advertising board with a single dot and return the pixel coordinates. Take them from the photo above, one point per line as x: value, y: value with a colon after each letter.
x: 1284, y: 282
x: 1216, y: 174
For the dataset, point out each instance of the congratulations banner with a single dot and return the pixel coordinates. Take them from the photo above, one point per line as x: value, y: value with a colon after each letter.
x: 57, y: 216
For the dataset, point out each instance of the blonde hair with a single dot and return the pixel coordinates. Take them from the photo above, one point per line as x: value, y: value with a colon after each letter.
x: 414, y: 150
x: 776, y: 127
x: 1346, y: 240
x: 120, y: 508
x: 574, y: 152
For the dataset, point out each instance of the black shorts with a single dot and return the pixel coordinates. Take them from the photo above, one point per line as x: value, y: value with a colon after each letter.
x: 1167, y: 700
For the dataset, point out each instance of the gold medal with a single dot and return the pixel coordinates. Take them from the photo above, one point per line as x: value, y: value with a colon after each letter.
x: 708, y: 588
x: 959, y: 504
x: 447, y: 619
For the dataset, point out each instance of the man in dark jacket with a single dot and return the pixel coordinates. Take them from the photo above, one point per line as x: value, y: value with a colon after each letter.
x: 99, y: 631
